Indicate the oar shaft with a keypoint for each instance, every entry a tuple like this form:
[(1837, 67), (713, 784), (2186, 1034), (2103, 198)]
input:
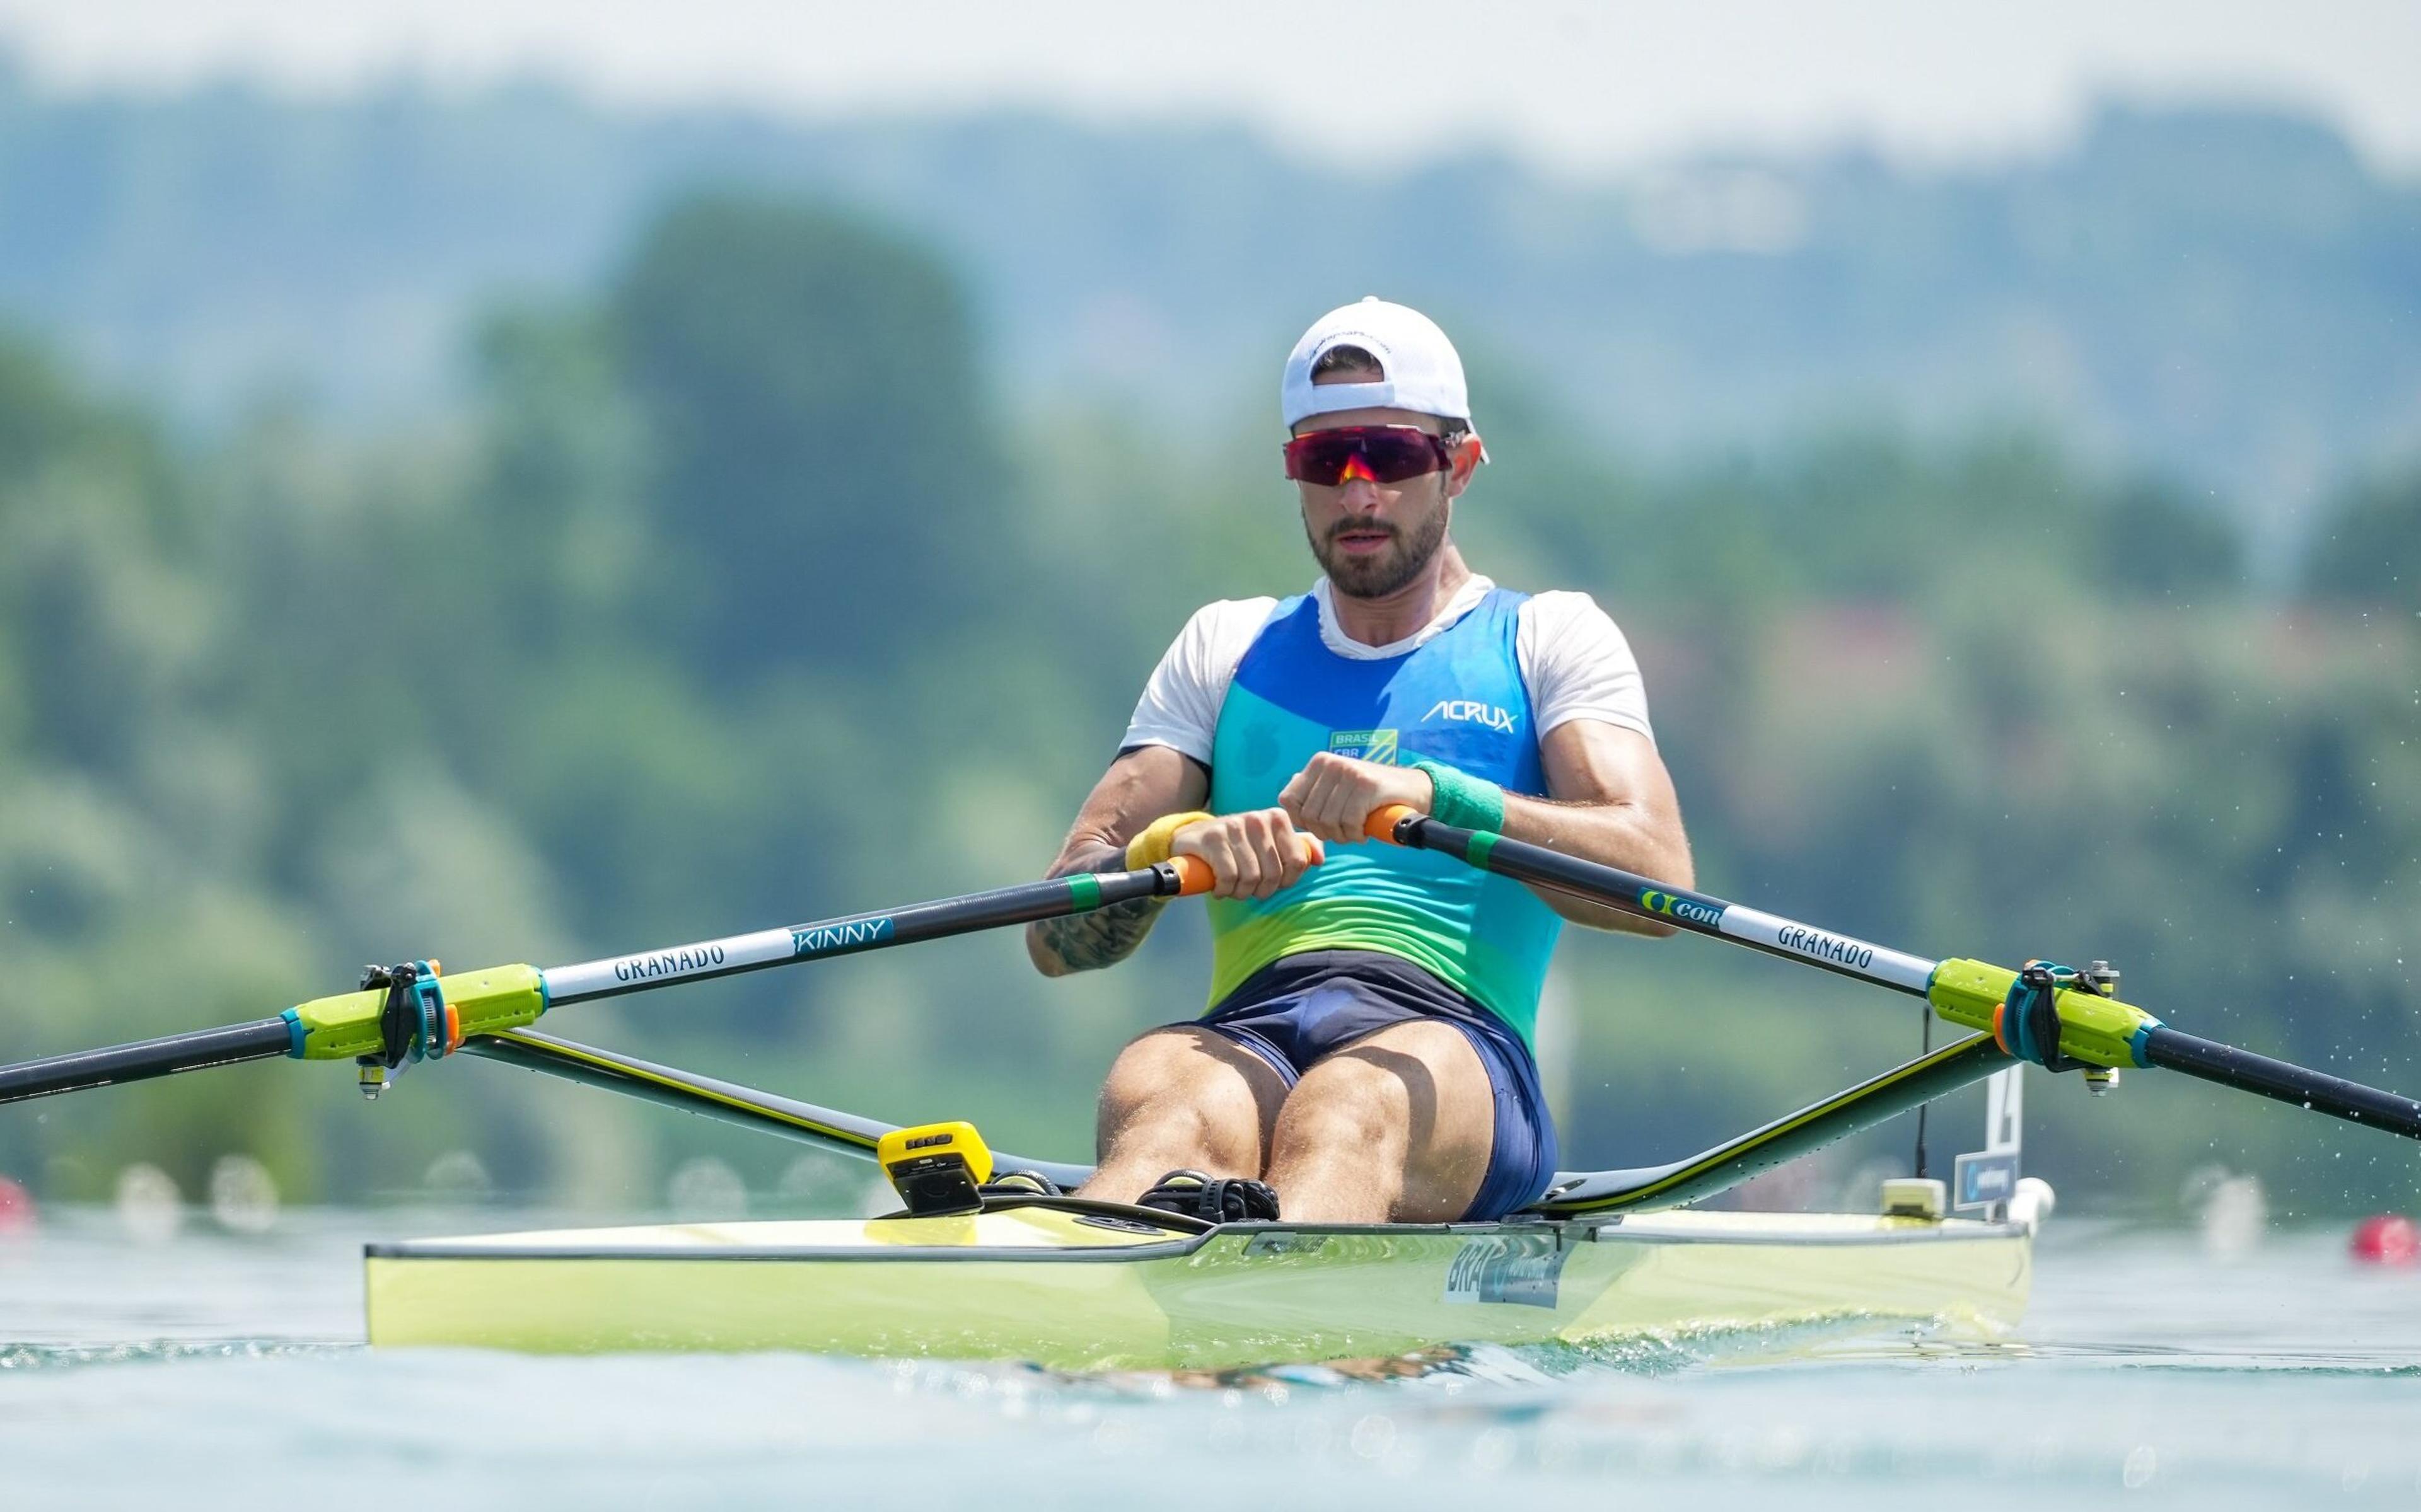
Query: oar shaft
[(2086, 1019), (496, 999), (858, 933), (1661, 902), (257, 1040), (2317, 1090)]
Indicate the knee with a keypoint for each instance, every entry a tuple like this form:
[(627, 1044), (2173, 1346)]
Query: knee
[(1153, 1054), (1338, 1115), (1153, 1068), (1167, 1099)]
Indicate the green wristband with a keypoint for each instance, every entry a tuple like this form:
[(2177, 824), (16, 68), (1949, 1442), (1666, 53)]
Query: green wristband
[(1461, 799)]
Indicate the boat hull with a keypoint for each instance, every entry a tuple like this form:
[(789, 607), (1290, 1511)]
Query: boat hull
[(1089, 1292)]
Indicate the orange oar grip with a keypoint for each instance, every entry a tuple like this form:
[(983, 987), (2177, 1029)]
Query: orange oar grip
[(1382, 823), (1193, 875)]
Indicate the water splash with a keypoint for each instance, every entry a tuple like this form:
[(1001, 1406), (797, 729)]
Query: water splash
[(31, 1357)]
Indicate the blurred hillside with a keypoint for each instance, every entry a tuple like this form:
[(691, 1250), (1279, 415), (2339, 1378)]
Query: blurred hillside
[(2226, 296), (751, 577)]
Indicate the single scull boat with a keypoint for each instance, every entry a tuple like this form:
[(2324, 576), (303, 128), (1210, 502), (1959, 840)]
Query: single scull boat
[(1014, 1270), (1080, 1286)]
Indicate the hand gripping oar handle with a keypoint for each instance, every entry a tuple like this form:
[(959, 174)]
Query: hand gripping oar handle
[(2093, 1030), (500, 998)]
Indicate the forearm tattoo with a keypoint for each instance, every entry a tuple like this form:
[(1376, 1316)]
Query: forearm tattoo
[(1106, 936)]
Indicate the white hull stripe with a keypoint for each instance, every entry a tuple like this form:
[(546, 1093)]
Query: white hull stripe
[(1878, 963)]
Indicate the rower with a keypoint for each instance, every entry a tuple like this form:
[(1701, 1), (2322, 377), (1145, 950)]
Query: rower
[(1369, 1048)]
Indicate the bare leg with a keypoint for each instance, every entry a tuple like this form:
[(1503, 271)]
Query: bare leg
[(1183, 1098), (1397, 1128)]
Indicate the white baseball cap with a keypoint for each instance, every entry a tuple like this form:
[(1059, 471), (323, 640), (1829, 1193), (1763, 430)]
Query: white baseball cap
[(1422, 373)]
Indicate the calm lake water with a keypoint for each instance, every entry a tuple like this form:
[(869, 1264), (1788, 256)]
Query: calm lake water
[(215, 1371)]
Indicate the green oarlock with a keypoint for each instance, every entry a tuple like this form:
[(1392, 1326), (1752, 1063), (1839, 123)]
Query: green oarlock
[(2098, 1031), (495, 998), (484, 1002), (1968, 993)]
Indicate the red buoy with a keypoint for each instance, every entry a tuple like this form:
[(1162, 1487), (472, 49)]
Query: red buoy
[(2386, 1239), (16, 1209)]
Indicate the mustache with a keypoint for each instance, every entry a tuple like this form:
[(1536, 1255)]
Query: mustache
[(1363, 527)]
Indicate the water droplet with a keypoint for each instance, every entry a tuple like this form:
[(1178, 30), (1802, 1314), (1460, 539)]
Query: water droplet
[(150, 1207), (244, 1195)]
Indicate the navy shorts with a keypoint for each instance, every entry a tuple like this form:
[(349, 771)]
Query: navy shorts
[(1301, 1009)]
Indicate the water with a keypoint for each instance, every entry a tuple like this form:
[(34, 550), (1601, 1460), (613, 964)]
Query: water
[(213, 1370)]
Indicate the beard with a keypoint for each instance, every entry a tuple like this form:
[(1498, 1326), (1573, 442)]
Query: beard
[(1385, 571)]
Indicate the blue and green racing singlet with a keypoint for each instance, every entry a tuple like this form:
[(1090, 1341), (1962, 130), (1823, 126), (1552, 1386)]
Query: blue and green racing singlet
[(1457, 698)]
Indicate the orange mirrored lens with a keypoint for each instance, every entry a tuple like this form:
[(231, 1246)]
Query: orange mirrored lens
[(1382, 453)]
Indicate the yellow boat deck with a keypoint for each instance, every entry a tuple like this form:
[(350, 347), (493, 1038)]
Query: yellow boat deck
[(1090, 1290)]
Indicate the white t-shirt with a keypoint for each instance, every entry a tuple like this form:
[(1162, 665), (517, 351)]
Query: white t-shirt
[(1573, 660)]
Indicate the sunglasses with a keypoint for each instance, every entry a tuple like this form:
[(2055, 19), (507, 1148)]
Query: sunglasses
[(1384, 454)]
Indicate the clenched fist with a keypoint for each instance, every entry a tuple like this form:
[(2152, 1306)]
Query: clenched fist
[(1250, 854), (1333, 796)]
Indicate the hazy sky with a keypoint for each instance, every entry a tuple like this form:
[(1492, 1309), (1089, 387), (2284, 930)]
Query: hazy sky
[(1580, 86)]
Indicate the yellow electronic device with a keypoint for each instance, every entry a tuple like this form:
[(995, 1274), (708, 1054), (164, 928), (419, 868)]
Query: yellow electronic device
[(936, 1167)]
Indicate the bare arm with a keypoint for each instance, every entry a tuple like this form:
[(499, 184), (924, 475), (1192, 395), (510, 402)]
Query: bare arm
[(1610, 801), (1140, 787)]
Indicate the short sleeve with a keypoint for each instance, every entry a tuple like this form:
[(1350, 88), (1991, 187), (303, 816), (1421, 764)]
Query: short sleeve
[(1578, 666), (1180, 707)]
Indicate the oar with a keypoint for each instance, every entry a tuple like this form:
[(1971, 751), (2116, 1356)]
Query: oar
[(2092, 1029), (418, 1014)]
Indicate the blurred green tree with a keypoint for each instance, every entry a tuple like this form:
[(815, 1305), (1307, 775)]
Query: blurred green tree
[(2371, 550), (828, 485), (2154, 540)]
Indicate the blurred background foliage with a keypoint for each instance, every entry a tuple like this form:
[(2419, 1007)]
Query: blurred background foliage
[(746, 581)]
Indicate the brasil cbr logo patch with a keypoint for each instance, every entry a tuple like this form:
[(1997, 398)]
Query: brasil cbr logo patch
[(1369, 745)]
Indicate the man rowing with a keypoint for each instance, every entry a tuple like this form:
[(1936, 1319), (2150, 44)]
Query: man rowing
[(1368, 1054)]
